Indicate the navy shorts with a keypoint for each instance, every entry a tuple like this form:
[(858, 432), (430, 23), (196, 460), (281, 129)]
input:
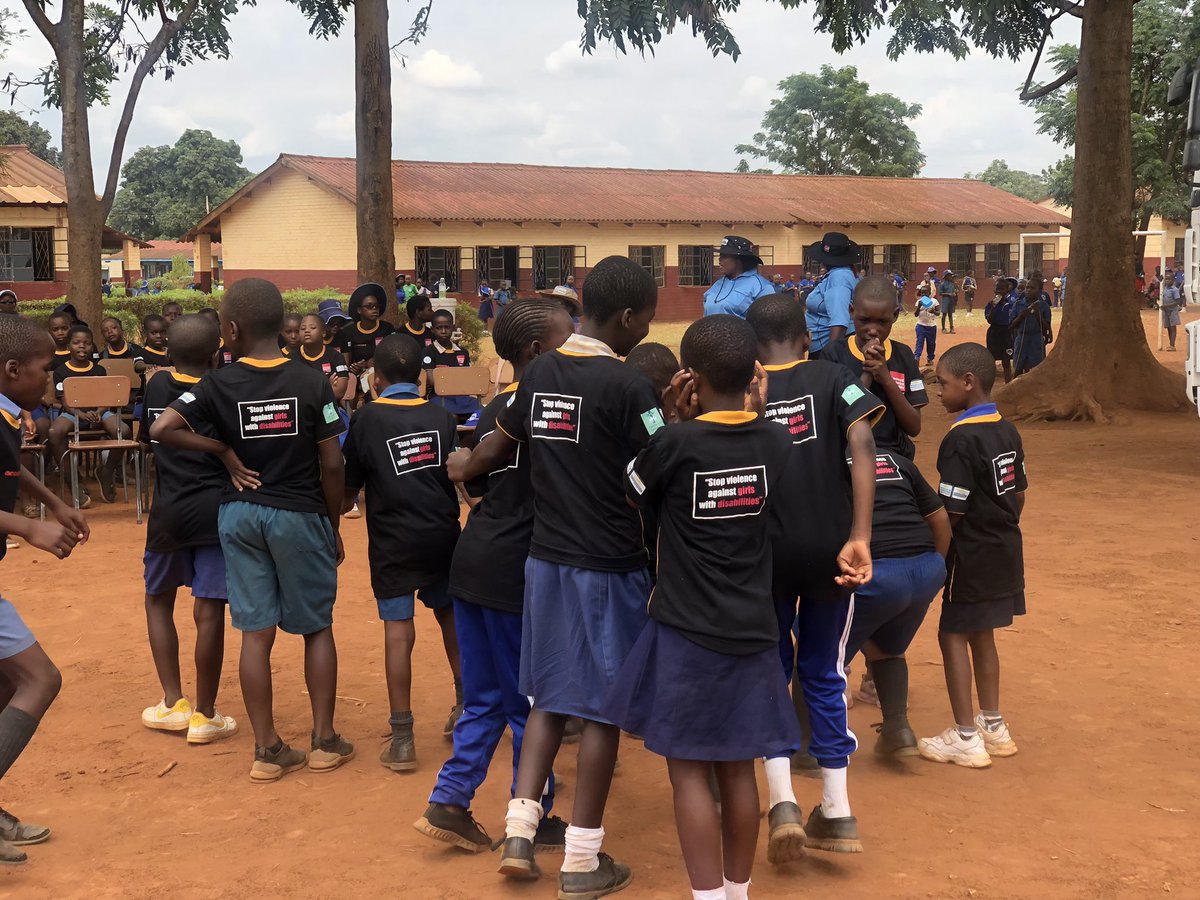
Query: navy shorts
[(200, 568), (281, 567), (70, 417), (400, 609), (40, 412), (890, 608), (15, 636)]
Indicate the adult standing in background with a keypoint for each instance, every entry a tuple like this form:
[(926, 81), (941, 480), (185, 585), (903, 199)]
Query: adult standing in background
[(828, 306), (948, 292), (739, 284)]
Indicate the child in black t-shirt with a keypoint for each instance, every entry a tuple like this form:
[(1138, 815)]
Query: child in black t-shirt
[(154, 343), (982, 468), (276, 427), (359, 338), (224, 355), (316, 354), (30, 679), (487, 581), (821, 527), (581, 414), (420, 314), (184, 550), (59, 325), (289, 334), (115, 344), (702, 684), (885, 367), (397, 449), (447, 354)]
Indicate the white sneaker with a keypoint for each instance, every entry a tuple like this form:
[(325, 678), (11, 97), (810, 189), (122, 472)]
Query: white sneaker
[(164, 718), (866, 692), (355, 512), (952, 747), (203, 730), (998, 742)]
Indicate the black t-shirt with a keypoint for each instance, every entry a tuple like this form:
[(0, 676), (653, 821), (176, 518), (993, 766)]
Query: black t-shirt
[(328, 362), (70, 370), (273, 413), (817, 401), (489, 561), (397, 449), (584, 416), (710, 480), (188, 485), (903, 502), (10, 459), (225, 355), (154, 357), (905, 373), (131, 351), (425, 338), (982, 468), (455, 357), (360, 343)]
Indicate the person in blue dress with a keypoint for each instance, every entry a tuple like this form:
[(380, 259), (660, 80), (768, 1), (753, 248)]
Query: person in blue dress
[(739, 284), (828, 306)]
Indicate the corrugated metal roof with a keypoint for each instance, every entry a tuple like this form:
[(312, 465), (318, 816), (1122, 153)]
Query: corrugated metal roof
[(26, 179)]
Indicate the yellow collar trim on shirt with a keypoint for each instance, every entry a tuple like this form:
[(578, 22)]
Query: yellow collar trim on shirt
[(185, 379), (976, 420), (220, 343), (857, 351), (411, 330), (406, 401), (65, 352), (508, 390), (10, 418), (88, 368), (783, 367), (124, 349), (582, 345), (327, 341), (453, 348), (264, 363), (311, 358), (155, 352), (362, 330), (728, 417)]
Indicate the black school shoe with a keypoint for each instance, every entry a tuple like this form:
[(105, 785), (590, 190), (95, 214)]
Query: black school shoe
[(551, 836), (786, 836), (838, 835), (516, 859), (607, 878), (896, 739), (453, 825)]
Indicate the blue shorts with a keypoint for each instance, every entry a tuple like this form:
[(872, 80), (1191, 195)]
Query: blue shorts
[(200, 568), (890, 608), (15, 636), (40, 412), (400, 609), (280, 565), (70, 417)]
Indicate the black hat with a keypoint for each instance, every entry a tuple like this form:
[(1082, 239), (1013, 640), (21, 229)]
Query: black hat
[(362, 292), (834, 250), (732, 245)]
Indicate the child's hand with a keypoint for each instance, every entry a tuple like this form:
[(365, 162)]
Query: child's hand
[(456, 464), (72, 519), (874, 362), (243, 479), (854, 560), (756, 394), (687, 404), (30, 428), (341, 548), (56, 540)]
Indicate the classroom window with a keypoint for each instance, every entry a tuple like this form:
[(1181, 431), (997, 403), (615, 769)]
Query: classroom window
[(996, 258), (866, 258), (438, 262), (43, 253), (899, 258), (962, 258), (1178, 251), (651, 259), (695, 266), (16, 254), (1034, 257), (497, 264), (551, 266)]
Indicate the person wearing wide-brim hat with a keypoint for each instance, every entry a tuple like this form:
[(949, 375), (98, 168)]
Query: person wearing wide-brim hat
[(366, 328), (333, 316), (739, 284), (828, 306), (568, 297)]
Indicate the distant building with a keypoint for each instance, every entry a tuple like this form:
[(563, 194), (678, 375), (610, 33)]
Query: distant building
[(535, 225), (1169, 244), (157, 257)]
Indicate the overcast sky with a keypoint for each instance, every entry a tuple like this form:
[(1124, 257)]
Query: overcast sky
[(505, 82)]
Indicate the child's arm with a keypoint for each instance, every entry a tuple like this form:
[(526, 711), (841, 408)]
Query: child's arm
[(57, 540), (1020, 504), (854, 559), (172, 429), (908, 417), (67, 515), (939, 524), (333, 475), (465, 465)]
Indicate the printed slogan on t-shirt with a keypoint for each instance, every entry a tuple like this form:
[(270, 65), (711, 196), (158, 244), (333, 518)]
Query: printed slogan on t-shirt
[(795, 415), (1005, 469), (269, 418), (411, 452), (886, 468), (555, 417), (729, 493)]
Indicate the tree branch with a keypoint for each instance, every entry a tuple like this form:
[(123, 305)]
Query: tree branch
[(45, 26), (149, 60), (1070, 8), (1050, 88)]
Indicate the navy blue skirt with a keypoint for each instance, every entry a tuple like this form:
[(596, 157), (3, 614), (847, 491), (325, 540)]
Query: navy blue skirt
[(688, 702)]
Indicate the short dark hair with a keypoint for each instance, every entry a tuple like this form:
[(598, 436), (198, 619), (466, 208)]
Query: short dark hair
[(20, 339), (971, 357), (876, 289), (172, 303), (523, 322), (415, 303), (256, 305), (111, 319), (443, 314), (291, 317), (194, 339), (153, 319), (398, 359), (615, 284), (210, 313), (723, 349), (59, 315), (776, 317), (80, 329), (656, 362)]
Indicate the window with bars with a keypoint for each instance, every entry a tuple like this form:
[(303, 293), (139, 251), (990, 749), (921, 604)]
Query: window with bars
[(866, 258), (695, 265), (18, 261), (497, 264), (996, 258), (1036, 256), (438, 262), (899, 258), (1179, 251), (651, 259), (962, 258), (551, 266)]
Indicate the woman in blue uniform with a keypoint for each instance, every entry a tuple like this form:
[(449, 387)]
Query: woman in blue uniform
[(739, 284), (828, 306)]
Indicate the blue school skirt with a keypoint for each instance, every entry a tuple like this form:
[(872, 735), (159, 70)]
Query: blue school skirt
[(689, 702)]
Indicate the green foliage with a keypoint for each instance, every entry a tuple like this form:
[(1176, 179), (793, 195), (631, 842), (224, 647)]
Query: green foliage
[(466, 322), (642, 24), (1023, 184), (167, 190), (831, 124), (15, 130), (1060, 180)]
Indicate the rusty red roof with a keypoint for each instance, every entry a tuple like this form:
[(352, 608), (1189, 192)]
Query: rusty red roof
[(447, 191), (28, 179)]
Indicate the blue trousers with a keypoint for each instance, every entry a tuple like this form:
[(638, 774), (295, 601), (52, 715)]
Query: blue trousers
[(927, 338), (489, 645), (822, 628)]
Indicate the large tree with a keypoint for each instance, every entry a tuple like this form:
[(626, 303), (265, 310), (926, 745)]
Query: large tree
[(1023, 184), (1101, 361), (16, 130), (166, 190), (831, 124)]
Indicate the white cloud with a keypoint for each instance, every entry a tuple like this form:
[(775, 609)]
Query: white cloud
[(437, 70)]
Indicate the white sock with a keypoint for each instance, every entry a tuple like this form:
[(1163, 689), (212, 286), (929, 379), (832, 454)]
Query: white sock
[(835, 801), (583, 849), (522, 818), (779, 780), (735, 891), (714, 894)]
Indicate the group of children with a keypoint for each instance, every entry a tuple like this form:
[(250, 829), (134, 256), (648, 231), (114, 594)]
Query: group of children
[(654, 546)]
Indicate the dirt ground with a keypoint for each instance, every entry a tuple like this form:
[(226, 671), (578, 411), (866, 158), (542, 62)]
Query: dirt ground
[(1102, 801)]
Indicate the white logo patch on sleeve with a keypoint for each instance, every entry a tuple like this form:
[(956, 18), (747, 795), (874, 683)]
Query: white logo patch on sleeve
[(187, 397), (915, 385), (636, 482)]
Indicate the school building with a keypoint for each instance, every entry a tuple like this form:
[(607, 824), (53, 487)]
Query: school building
[(1168, 245), (535, 225), (156, 259), (34, 222)]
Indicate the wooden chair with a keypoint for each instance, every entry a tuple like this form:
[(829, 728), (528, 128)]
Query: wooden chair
[(466, 381), (123, 367), (348, 394), (502, 377), (101, 392)]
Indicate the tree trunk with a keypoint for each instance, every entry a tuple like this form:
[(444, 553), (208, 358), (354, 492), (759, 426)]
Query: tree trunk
[(373, 134), (1101, 361), (85, 217)]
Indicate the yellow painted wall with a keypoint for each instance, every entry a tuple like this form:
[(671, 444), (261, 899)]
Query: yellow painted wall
[(37, 217), (1154, 243)]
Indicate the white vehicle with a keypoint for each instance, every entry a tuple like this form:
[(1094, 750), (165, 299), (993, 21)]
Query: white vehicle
[(1185, 87)]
